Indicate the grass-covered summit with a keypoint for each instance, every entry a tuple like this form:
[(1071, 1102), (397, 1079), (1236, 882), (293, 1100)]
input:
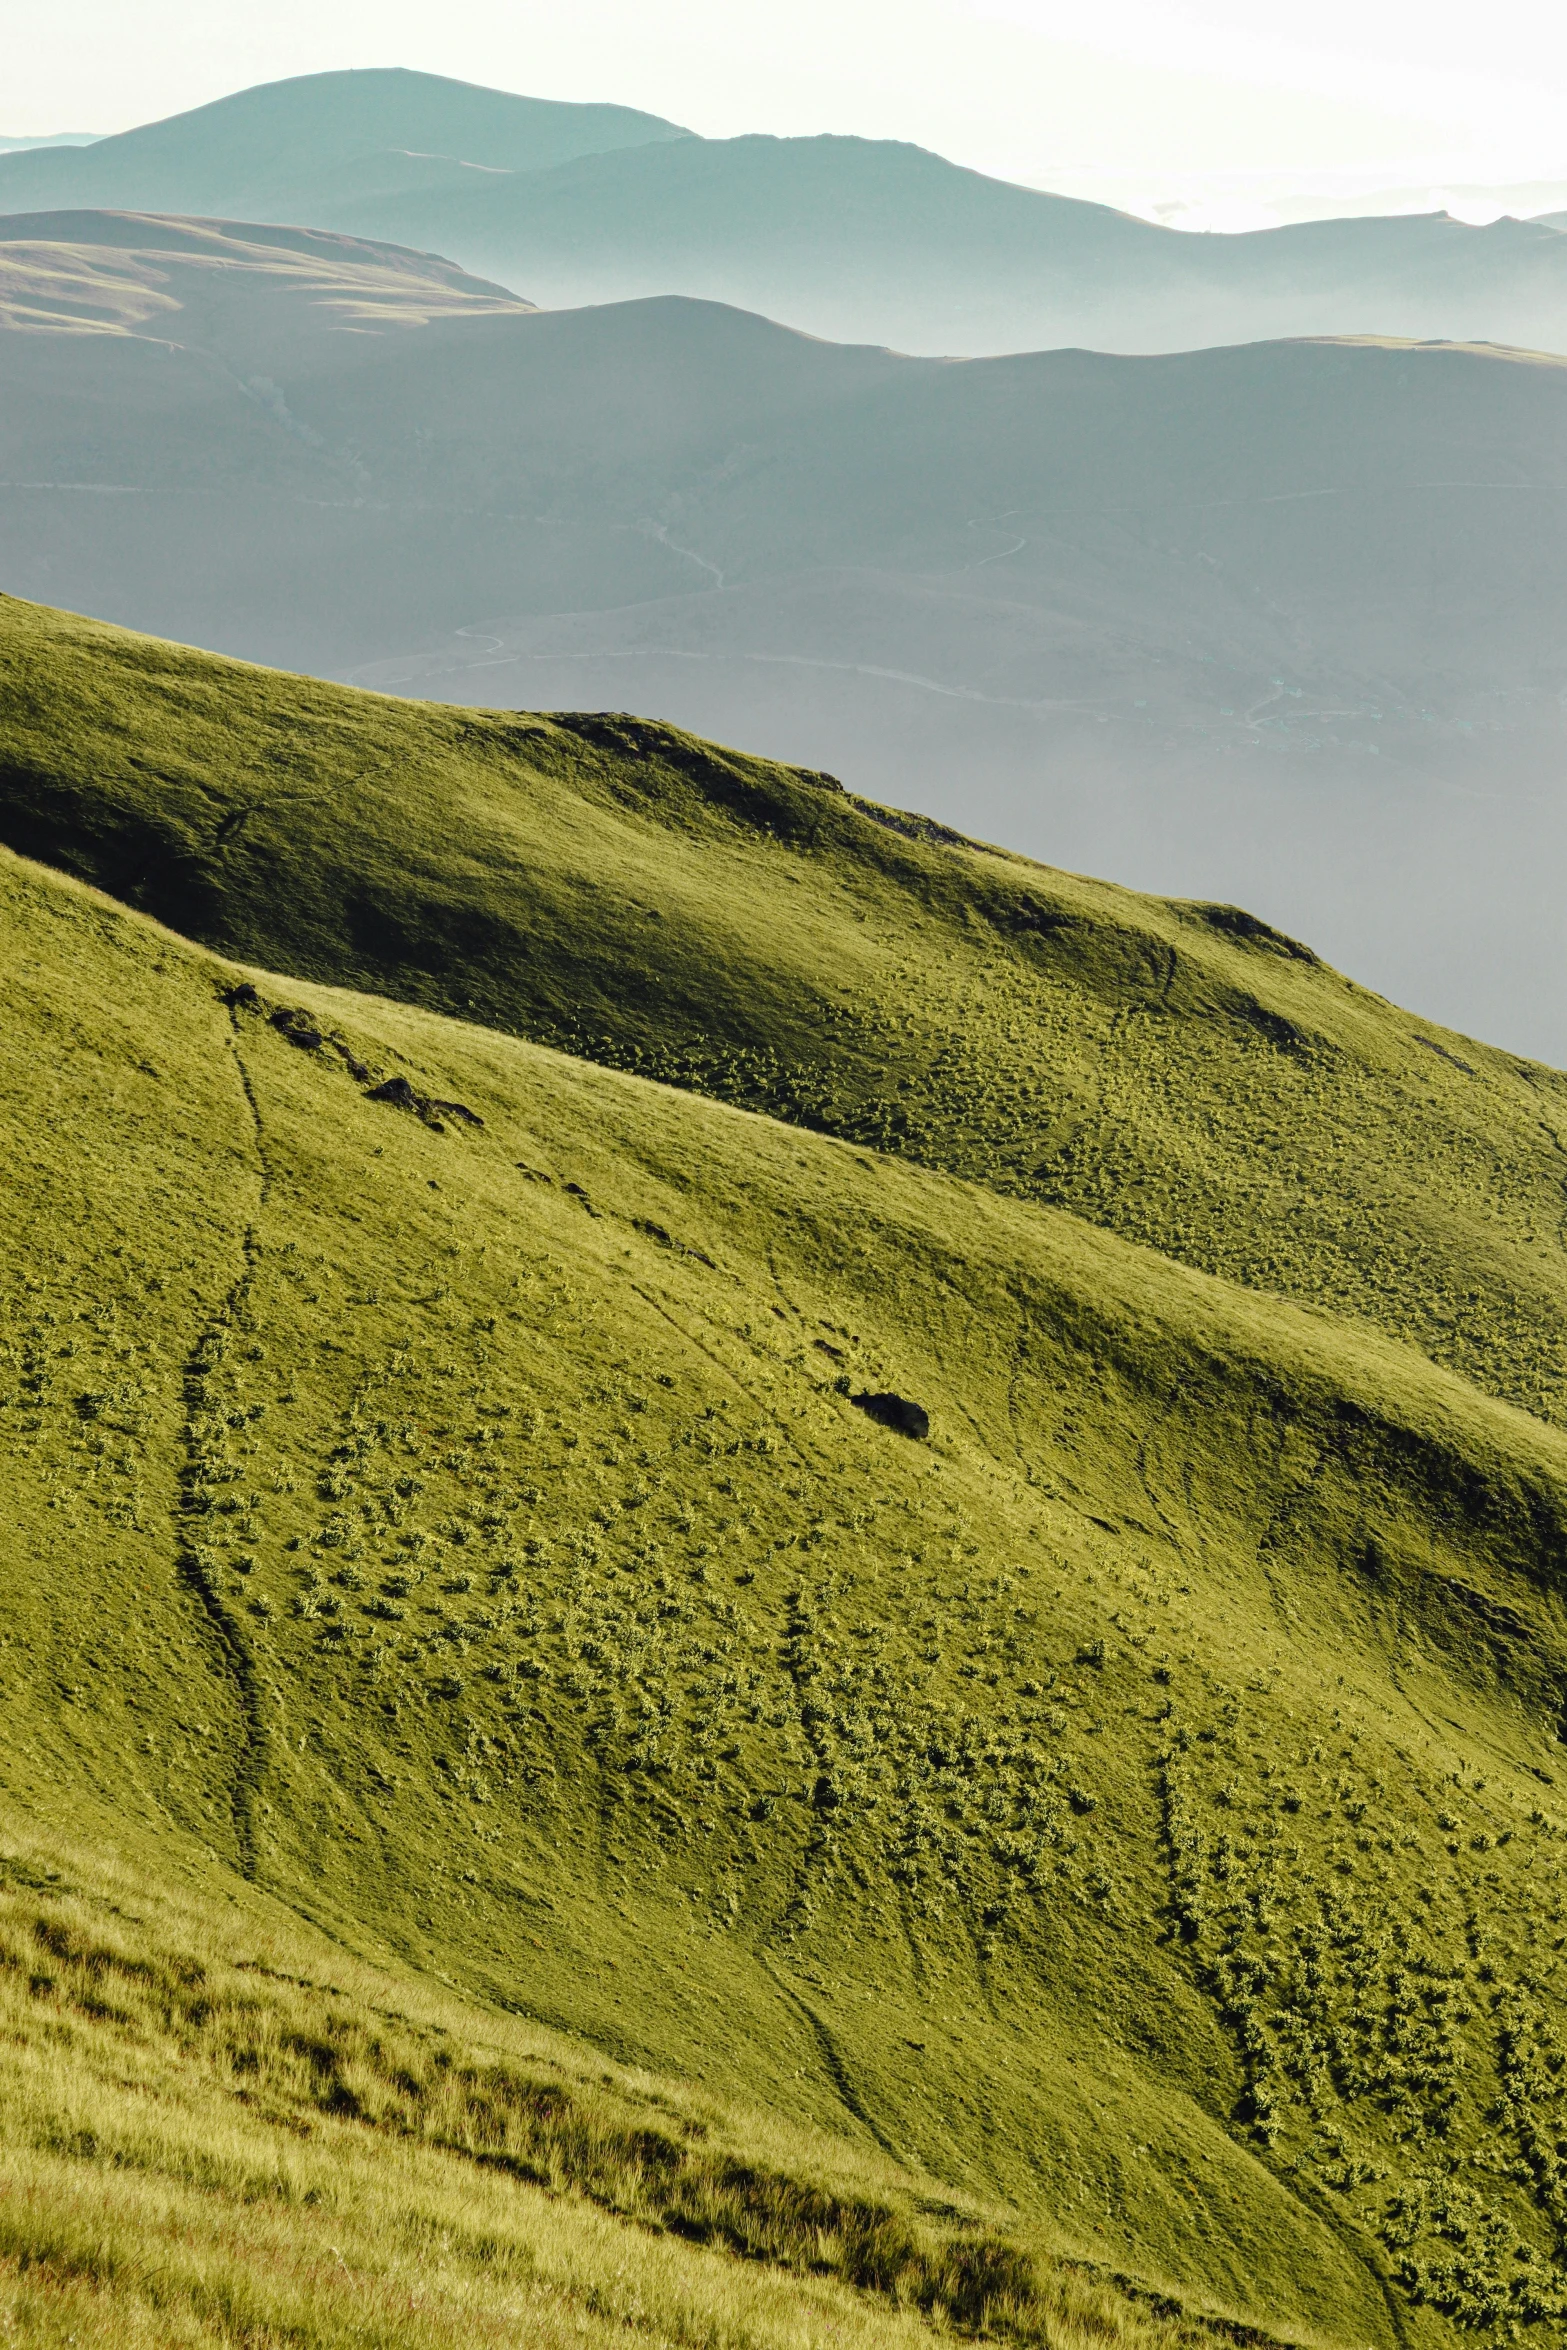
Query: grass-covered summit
[(452, 1493)]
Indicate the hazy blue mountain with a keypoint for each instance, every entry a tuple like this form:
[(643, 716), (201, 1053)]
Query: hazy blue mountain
[(282, 148), (870, 240), (859, 240), (1283, 623), (58, 139)]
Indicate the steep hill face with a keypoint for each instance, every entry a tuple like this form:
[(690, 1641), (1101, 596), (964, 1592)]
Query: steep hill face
[(320, 136), (1176, 1072), (1282, 624), (787, 1615)]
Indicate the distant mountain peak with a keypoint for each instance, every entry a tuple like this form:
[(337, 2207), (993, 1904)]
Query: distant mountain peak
[(294, 149)]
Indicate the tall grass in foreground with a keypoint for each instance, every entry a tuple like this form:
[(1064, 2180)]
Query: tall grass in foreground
[(197, 2149)]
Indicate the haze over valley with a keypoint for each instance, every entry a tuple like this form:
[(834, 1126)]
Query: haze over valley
[(1282, 623)]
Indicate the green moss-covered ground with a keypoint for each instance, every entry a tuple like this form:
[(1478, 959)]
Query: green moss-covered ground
[(1134, 1804)]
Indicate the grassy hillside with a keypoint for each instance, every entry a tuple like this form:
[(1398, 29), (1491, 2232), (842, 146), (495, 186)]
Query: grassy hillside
[(456, 1550), (219, 2128), (452, 1493), (471, 1540), (1175, 1073)]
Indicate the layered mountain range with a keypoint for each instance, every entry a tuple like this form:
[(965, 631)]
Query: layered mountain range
[(1282, 622), (859, 240)]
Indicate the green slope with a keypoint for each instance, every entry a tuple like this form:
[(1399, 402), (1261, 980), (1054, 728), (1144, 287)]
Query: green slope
[(441, 1500), (398, 2167), (1177, 1073)]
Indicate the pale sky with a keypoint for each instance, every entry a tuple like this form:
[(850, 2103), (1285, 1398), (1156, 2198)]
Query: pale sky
[(1129, 94)]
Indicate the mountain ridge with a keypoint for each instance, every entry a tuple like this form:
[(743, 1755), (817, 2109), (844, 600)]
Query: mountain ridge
[(574, 878), (856, 240), (763, 222), (256, 140)]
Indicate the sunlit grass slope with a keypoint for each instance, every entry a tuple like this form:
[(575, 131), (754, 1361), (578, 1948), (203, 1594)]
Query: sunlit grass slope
[(455, 1513), (191, 1678), (218, 2129), (1175, 1073)]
